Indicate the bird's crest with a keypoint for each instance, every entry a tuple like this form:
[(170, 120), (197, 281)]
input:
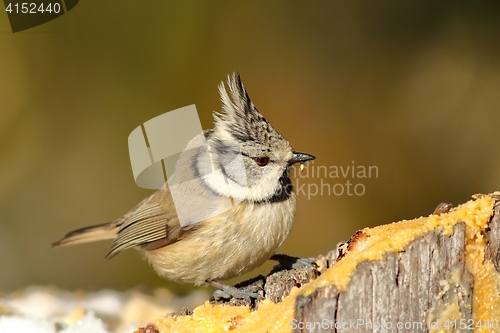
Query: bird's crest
[(241, 119)]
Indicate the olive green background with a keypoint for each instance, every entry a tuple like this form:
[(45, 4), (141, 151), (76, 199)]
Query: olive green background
[(411, 87)]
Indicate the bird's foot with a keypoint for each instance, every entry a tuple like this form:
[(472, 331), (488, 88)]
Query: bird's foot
[(227, 292)]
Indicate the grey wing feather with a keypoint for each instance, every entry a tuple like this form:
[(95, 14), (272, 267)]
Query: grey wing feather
[(148, 224)]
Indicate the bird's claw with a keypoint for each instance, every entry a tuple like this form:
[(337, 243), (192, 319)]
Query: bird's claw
[(228, 292)]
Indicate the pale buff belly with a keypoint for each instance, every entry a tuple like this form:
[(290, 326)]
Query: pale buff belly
[(226, 247)]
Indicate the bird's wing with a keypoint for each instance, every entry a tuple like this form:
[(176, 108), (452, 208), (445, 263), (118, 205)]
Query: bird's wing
[(149, 223), (154, 223)]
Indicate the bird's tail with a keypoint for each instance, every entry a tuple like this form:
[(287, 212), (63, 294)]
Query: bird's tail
[(89, 234)]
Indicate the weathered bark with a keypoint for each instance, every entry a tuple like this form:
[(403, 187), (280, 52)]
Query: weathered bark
[(402, 277), (402, 288), (410, 288)]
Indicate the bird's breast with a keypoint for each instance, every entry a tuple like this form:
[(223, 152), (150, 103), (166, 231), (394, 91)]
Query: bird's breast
[(227, 245)]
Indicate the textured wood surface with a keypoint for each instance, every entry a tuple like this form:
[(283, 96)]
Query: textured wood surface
[(407, 288), (493, 237), (413, 286)]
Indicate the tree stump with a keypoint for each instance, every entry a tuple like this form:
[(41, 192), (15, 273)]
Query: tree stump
[(432, 274), (438, 282)]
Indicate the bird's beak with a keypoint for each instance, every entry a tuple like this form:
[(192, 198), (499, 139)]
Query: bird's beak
[(301, 158)]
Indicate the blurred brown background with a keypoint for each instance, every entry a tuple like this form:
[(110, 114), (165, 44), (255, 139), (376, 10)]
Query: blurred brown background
[(410, 87)]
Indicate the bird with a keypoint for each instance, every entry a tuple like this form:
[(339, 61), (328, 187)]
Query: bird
[(234, 219)]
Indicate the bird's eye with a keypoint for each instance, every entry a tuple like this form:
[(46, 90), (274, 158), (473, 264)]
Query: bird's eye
[(262, 161)]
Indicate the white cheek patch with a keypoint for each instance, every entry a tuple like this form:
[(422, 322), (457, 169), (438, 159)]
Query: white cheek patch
[(267, 185), (219, 182), (207, 183), (228, 174)]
